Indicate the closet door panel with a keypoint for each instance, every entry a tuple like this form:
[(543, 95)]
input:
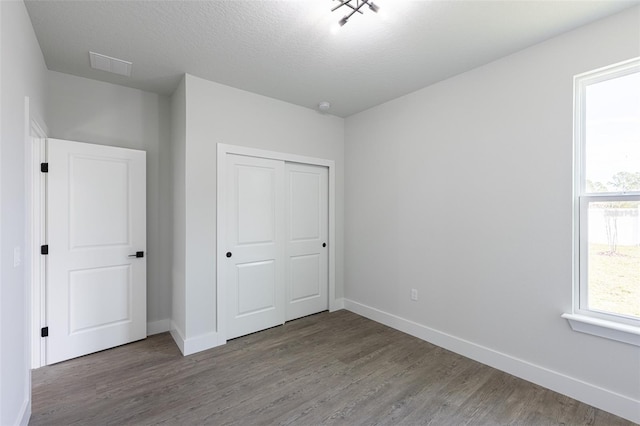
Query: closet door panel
[(254, 258), (306, 239)]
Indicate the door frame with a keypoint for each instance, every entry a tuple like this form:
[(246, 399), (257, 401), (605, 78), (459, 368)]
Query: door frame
[(221, 196), (35, 185)]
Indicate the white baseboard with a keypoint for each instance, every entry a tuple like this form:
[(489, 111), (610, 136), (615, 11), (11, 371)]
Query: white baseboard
[(159, 326), (603, 399), (178, 336), (25, 413), (201, 343), (194, 344)]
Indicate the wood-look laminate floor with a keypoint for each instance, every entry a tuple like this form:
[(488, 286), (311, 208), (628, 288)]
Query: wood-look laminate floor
[(329, 368)]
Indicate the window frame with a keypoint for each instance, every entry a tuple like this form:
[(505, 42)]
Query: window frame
[(604, 324)]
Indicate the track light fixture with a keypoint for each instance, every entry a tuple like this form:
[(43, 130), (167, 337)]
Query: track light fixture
[(358, 4)]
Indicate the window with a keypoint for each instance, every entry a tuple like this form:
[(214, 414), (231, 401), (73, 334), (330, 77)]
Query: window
[(607, 202)]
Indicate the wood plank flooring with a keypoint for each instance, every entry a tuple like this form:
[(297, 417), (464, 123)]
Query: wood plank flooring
[(330, 368)]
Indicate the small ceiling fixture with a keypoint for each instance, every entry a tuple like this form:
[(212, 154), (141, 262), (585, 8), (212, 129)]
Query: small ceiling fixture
[(355, 6), (324, 106)]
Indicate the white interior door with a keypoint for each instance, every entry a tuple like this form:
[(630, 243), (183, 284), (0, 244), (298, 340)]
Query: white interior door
[(253, 245), (96, 286), (307, 267)]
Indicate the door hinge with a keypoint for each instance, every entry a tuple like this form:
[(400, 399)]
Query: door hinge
[(44, 331), (44, 167), (44, 249)]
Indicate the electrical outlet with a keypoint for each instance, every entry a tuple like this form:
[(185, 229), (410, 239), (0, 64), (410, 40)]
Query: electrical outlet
[(17, 257), (414, 294)]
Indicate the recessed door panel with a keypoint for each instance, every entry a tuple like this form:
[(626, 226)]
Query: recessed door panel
[(99, 297), (256, 287), (110, 203), (305, 205), (305, 273), (256, 208)]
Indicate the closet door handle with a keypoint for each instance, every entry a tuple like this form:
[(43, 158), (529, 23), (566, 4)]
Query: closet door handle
[(229, 254), (324, 244)]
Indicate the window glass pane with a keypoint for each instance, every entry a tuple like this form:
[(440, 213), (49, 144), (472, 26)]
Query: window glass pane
[(612, 132), (614, 257)]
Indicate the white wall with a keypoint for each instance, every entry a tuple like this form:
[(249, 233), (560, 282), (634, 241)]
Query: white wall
[(496, 141), (84, 110), (220, 114), (22, 73)]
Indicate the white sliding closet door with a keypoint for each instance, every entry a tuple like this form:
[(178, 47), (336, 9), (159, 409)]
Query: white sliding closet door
[(254, 244), (274, 242), (306, 248)]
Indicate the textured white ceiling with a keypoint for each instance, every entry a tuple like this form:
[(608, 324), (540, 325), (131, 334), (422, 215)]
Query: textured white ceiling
[(286, 49)]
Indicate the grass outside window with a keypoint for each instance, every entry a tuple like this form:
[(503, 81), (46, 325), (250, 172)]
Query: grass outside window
[(614, 279)]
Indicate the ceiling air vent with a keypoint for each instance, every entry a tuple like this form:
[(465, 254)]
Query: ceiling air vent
[(109, 64)]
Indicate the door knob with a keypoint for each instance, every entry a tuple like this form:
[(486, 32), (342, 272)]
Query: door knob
[(228, 254), (324, 244), (138, 254)]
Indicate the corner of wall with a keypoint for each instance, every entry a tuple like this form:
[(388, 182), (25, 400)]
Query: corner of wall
[(178, 149), (159, 326), (178, 336), (189, 346)]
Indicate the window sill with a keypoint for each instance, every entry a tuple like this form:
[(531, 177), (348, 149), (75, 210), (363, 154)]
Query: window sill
[(603, 328)]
